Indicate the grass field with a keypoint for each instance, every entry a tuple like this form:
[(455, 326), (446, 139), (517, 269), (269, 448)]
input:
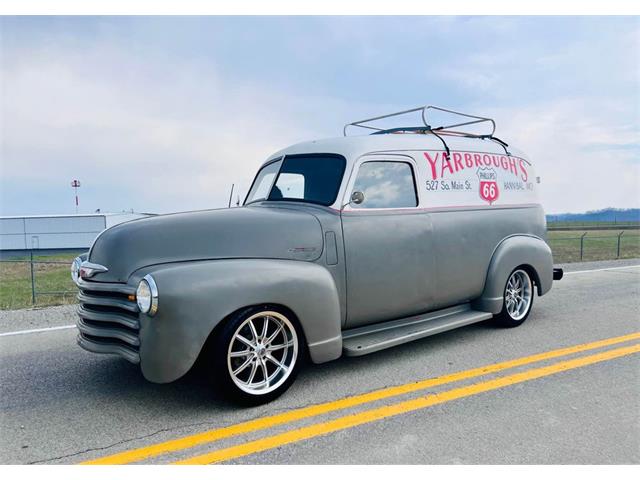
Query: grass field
[(597, 245), (15, 282), (15, 278)]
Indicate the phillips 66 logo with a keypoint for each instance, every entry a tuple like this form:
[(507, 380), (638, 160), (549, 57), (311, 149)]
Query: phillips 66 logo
[(488, 184)]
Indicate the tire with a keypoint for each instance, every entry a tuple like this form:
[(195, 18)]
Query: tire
[(517, 299), (243, 351)]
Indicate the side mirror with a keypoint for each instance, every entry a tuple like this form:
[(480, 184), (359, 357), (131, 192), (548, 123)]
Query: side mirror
[(357, 197)]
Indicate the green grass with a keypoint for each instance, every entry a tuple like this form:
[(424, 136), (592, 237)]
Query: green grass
[(15, 282), (597, 245), (15, 278)]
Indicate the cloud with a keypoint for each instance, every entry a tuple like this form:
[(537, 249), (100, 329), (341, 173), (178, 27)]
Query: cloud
[(139, 136), (164, 114), (577, 153)]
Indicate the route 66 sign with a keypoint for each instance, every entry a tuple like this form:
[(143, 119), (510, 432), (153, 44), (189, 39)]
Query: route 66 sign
[(488, 188)]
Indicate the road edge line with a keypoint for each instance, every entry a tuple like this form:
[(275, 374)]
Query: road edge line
[(37, 330), (601, 269)]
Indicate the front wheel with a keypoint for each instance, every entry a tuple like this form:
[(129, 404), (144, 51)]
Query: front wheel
[(256, 355), (518, 299)]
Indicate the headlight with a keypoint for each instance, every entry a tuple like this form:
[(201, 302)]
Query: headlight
[(147, 295), (75, 269)]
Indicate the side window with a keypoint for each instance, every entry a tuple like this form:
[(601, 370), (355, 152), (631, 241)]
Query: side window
[(386, 185)]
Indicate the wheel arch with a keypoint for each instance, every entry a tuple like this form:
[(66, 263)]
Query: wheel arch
[(531, 271), (528, 252)]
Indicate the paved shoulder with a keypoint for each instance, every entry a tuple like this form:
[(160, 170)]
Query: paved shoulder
[(36, 318)]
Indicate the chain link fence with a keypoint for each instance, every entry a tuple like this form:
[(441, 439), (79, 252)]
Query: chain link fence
[(580, 246), (36, 280)]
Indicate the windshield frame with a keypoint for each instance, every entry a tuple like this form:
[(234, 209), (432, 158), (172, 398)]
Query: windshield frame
[(253, 182), (282, 159)]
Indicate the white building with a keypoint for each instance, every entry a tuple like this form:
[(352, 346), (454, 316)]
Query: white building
[(56, 232)]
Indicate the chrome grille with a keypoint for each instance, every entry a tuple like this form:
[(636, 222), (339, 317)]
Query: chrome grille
[(108, 319)]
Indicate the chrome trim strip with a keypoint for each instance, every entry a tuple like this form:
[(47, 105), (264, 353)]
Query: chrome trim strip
[(154, 295), (90, 269), (107, 287), (95, 266)]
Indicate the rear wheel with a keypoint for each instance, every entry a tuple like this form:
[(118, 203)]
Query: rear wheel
[(256, 355), (518, 299)]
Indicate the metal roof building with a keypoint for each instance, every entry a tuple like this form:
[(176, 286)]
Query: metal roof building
[(56, 232)]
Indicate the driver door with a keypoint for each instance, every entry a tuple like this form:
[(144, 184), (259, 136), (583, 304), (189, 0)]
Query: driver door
[(387, 240)]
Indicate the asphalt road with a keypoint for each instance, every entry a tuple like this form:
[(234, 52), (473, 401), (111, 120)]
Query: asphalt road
[(60, 404)]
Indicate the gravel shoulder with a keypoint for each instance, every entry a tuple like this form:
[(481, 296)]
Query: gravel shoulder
[(31, 318)]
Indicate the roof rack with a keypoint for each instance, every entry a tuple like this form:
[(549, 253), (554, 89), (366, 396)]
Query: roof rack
[(426, 127)]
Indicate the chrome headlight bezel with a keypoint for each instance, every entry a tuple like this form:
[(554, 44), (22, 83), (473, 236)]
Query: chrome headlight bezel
[(75, 270), (147, 295)]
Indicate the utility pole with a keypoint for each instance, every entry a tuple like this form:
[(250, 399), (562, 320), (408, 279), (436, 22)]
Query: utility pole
[(76, 184)]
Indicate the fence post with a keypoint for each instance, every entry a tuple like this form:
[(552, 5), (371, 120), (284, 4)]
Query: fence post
[(582, 244), (619, 236), (33, 281)]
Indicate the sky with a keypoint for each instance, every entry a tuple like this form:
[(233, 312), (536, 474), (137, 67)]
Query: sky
[(163, 114)]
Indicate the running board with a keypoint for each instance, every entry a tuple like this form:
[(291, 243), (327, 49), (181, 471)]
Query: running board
[(372, 338)]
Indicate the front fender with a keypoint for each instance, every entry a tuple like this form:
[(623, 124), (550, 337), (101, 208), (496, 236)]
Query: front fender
[(194, 297), (511, 253)]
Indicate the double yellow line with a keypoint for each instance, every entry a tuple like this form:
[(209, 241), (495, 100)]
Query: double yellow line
[(373, 414)]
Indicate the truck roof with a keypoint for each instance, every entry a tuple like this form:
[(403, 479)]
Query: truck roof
[(354, 147), (449, 136)]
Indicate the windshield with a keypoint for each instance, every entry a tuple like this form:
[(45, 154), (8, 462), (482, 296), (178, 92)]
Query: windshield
[(313, 178)]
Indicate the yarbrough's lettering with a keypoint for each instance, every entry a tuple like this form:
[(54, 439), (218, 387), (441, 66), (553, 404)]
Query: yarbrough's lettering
[(441, 163)]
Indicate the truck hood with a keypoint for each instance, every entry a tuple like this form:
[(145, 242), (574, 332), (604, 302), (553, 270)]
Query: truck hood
[(247, 232)]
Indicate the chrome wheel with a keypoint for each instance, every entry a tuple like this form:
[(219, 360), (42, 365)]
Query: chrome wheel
[(262, 352), (518, 295)]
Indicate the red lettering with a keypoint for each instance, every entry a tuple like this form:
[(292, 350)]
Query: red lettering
[(512, 166), (432, 163), (496, 161), (478, 158), (524, 175), (445, 165), (504, 163), (487, 160), (457, 161), (468, 161)]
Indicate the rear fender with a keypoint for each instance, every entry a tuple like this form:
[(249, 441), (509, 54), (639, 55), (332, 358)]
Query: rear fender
[(520, 250)]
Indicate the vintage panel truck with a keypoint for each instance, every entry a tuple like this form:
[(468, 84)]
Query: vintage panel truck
[(343, 247)]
